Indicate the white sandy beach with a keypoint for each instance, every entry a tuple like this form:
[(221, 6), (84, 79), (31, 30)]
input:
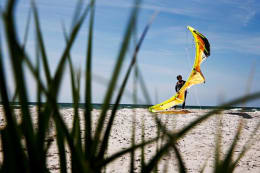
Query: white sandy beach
[(197, 147)]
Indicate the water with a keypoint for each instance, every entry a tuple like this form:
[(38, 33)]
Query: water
[(131, 106)]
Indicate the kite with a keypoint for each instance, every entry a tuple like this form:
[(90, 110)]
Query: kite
[(196, 77)]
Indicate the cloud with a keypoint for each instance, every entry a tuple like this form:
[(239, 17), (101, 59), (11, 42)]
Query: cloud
[(245, 9), (238, 42), (248, 17), (181, 9)]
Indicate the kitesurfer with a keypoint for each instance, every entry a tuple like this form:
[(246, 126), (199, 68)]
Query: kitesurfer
[(178, 86)]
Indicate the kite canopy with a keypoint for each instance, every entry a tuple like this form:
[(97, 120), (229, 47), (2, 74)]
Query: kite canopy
[(196, 77)]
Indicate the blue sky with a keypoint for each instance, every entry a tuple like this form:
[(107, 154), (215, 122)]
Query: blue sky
[(231, 26)]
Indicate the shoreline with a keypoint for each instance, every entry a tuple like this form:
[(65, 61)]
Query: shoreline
[(134, 106)]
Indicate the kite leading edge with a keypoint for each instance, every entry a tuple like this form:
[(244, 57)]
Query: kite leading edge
[(196, 77)]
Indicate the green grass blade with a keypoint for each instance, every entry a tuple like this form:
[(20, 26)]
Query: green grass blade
[(143, 87), (16, 64), (41, 43), (28, 62), (61, 66), (165, 167), (132, 154), (204, 166), (228, 159), (158, 133), (10, 7), (76, 121), (34, 73), (152, 164), (104, 82), (132, 164), (43, 110), (11, 129), (12, 155), (134, 58), (51, 96), (250, 81), (88, 82), (142, 148), (39, 90), (76, 13), (182, 168), (16, 53), (77, 93), (246, 147), (217, 160), (113, 81), (75, 90), (40, 87), (23, 47), (61, 149), (8, 155), (118, 154), (76, 155), (163, 149), (121, 91), (155, 159), (183, 131), (40, 136), (15, 96), (25, 38), (249, 97), (47, 110), (75, 86)]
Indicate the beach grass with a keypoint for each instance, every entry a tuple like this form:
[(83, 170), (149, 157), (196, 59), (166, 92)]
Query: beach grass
[(26, 146)]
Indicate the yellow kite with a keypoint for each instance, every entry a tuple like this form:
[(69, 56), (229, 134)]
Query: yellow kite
[(196, 77)]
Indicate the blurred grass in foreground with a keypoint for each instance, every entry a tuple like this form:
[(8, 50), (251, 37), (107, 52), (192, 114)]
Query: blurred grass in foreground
[(24, 146)]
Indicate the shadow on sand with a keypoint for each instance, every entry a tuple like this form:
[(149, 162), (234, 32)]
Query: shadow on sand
[(242, 114)]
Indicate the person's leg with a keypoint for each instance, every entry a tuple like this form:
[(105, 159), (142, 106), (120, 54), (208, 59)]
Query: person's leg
[(183, 105)]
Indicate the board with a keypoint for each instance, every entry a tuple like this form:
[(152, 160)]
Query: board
[(183, 111)]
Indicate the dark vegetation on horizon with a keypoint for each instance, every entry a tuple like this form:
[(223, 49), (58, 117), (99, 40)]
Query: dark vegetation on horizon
[(24, 146)]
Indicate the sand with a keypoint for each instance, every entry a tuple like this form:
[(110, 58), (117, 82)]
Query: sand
[(196, 147)]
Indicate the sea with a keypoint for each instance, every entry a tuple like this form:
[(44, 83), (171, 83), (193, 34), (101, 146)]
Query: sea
[(133, 106)]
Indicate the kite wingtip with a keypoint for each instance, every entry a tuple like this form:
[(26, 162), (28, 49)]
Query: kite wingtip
[(190, 28), (151, 109)]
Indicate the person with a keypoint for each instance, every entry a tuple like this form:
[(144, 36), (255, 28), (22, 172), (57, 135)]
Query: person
[(178, 86)]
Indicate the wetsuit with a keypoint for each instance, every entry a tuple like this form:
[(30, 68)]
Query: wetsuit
[(178, 86)]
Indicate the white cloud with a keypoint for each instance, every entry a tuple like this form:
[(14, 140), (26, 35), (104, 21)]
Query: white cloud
[(246, 9), (153, 6), (238, 42)]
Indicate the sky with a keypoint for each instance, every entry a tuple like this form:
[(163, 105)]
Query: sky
[(231, 26)]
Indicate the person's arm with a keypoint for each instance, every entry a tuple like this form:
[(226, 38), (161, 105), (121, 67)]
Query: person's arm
[(176, 87)]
